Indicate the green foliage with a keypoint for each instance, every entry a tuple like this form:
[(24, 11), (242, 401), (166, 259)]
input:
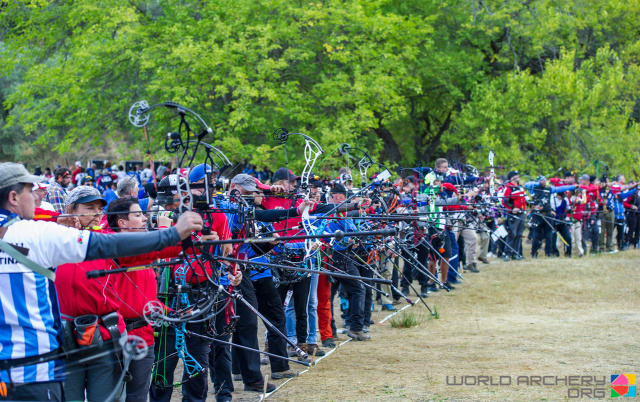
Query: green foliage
[(546, 84), (406, 319)]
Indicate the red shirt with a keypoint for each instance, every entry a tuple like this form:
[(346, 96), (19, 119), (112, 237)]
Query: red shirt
[(286, 203)]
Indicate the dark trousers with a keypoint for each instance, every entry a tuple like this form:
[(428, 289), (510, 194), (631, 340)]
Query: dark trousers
[(355, 290), (246, 333), (633, 235), (454, 261), (620, 232), (410, 271), (270, 306), (593, 230), (366, 271), (541, 232), (515, 225), (98, 377), (220, 360), (335, 285), (140, 370), (196, 388), (301, 291), (37, 391)]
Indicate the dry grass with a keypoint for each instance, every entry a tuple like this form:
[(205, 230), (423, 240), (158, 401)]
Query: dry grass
[(534, 317)]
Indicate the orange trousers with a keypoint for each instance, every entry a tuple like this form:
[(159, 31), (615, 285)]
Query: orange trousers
[(324, 307)]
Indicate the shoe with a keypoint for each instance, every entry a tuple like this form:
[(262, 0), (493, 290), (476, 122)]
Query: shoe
[(455, 281), (448, 285), (483, 260), (365, 329), (389, 307), (259, 386), (279, 375), (507, 258), (405, 290), (358, 336), (264, 360), (237, 377), (520, 258), (432, 287), (397, 302), (329, 343), (291, 352), (371, 322), (424, 289), (471, 268), (534, 255), (314, 346)]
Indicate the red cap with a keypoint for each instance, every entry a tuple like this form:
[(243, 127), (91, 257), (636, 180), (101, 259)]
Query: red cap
[(449, 187), (261, 186)]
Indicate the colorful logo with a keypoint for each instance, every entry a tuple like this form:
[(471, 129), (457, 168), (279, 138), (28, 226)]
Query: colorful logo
[(623, 385)]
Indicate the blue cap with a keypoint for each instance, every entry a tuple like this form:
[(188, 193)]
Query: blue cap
[(199, 172)]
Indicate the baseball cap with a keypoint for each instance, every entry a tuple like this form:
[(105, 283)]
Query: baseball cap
[(83, 195), (247, 182), (78, 163), (567, 174), (584, 177), (314, 181), (40, 186), (338, 189), (13, 173), (261, 186), (167, 187), (199, 172), (540, 178), (512, 174), (284, 174), (345, 177), (86, 179)]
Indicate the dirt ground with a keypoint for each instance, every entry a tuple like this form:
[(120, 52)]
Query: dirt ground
[(513, 322)]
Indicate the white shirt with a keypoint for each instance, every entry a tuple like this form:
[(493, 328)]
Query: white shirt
[(29, 312)]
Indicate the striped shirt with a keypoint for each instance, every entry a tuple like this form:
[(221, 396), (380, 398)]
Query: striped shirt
[(29, 313)]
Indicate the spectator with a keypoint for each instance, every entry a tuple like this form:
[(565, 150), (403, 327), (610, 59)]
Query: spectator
[(87, 181), (92, 170), (76, 171), (57, 193), (121, 173), (109, 193), (104, 181), (128, 187), (47, 173), (40, 191)]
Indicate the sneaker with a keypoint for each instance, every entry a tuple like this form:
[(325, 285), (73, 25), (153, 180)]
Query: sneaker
[(432, 287), (264, 360), (424, 290), (534, 255), (314, 346), (358, 336), (279, 375), (371, 322), (259, 386), (365, 329), (448, 285), (389, 307), (507, 258), (455, 281), (237, 377), (405, 290), (520, 258), (329, 343), (483, 260), (291, 352)]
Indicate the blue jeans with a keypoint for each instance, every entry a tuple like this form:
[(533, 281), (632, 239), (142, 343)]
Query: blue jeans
[(312, 316)]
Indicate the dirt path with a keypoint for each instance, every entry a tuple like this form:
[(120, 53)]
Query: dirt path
[(518, 320)]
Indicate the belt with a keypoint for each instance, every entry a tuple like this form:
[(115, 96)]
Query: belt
[(135, 323)]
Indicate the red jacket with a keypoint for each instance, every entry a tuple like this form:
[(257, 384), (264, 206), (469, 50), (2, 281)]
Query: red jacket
[(285, 203), (79, 296), (514, 197)]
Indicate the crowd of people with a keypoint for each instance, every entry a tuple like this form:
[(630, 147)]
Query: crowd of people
[(56, 227)]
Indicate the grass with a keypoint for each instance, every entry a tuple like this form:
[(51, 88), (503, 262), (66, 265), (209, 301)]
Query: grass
[(406, 319), (530, 318)]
